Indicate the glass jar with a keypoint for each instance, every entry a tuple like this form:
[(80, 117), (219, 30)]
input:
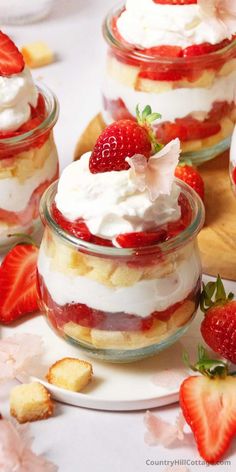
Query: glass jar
[(15, 12), (28, 165), (120, 305), (194, 95), (232, 162)]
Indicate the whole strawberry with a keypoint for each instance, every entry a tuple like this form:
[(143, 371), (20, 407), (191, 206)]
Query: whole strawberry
[(191, 176), (122, 139), (219, 325)]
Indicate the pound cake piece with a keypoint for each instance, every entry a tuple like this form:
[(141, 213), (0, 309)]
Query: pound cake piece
[(30, 402), (71, 374)]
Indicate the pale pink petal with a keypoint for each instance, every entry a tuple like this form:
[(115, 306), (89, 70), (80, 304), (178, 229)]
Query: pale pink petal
[(16, 354), (219, 15), (157, 174), (170, 378), (162, 432), (15, 453), (180, 424), (138, 165)]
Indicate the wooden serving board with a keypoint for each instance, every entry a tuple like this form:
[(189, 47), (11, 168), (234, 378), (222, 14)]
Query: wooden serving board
[(217, 239)]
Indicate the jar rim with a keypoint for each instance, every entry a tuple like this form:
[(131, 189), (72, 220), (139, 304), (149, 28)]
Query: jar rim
[(189, 233), (52, 108), (137, 53)]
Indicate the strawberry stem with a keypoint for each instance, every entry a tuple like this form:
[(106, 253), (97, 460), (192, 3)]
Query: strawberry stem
[(209, 367), (24, 239), (145, 118), (213, 294)]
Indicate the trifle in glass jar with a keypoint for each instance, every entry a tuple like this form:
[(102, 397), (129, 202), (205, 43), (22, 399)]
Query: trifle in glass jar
[(119, 271), (28, 155), (232, 162), (179, 56)]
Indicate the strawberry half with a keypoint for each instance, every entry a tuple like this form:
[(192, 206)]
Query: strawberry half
[(18, 287), (122, 139), (209, 407), (11, 59), (219, 325)]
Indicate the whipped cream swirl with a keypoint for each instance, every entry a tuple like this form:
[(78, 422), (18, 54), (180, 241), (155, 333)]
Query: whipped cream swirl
[(147, 24), (17, 93), (111, 203)]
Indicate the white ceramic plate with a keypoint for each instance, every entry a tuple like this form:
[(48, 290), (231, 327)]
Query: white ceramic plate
[(118, 387)]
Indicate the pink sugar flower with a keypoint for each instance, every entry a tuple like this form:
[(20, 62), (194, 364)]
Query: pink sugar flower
[(220, 15), (157, 173), (16, 354), (15, 451)]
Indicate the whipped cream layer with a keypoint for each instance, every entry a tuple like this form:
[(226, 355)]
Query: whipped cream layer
[(175, 103), (110, 203), (17, 93), (15, 195), (147, 24), (141, 299), (233, 148)]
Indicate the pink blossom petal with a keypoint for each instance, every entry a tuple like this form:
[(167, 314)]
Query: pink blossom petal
[(162, 432), (15, 453), (170, 379), (219, 15), (16, 354), (157, 174)]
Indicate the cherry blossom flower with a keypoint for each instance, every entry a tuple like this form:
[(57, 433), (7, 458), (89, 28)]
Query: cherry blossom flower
[(15, 451), (157, 173), (220, 15), (161, 432), (16, 354)]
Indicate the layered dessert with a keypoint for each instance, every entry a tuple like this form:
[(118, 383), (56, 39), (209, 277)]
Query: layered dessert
[(232, 162), (28, 156), (179, 56), (119, 270)]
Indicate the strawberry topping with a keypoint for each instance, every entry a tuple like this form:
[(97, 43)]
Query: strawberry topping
[(190, 175), (11, 59), (18, 289)]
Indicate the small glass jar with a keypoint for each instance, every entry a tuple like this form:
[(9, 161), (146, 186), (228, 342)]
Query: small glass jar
[(232, 162), (28, 165), (120, 305), (194, 95), (15, 12)]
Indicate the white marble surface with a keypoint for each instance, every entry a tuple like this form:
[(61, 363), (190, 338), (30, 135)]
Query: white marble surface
[(80, 440)]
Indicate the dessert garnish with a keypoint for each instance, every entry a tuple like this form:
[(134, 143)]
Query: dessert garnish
[(191, 176), (162, 432), (18, 286), (219, 325), (16, 354), (11, 60), (16, 453), (209, 407), (123, 139)]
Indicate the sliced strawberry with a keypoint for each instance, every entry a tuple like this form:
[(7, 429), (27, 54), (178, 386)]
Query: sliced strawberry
[(209, 408), (160, 73), (204, 48), (175, 2), (117, 109), (77, 228), (18, 286), (141, 239), (11, 59), (191, 176), (164, 51), (186, 129), (234, 175)]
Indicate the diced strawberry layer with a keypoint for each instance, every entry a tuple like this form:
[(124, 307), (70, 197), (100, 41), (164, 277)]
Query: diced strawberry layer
[(38, 115), (175, 2), (157, 235), (186, 129), (31, 212), (83, 315), (234, 175)]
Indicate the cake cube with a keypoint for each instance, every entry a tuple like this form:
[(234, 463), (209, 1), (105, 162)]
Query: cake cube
[(71, 374), (37, 54), (30, 402)]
